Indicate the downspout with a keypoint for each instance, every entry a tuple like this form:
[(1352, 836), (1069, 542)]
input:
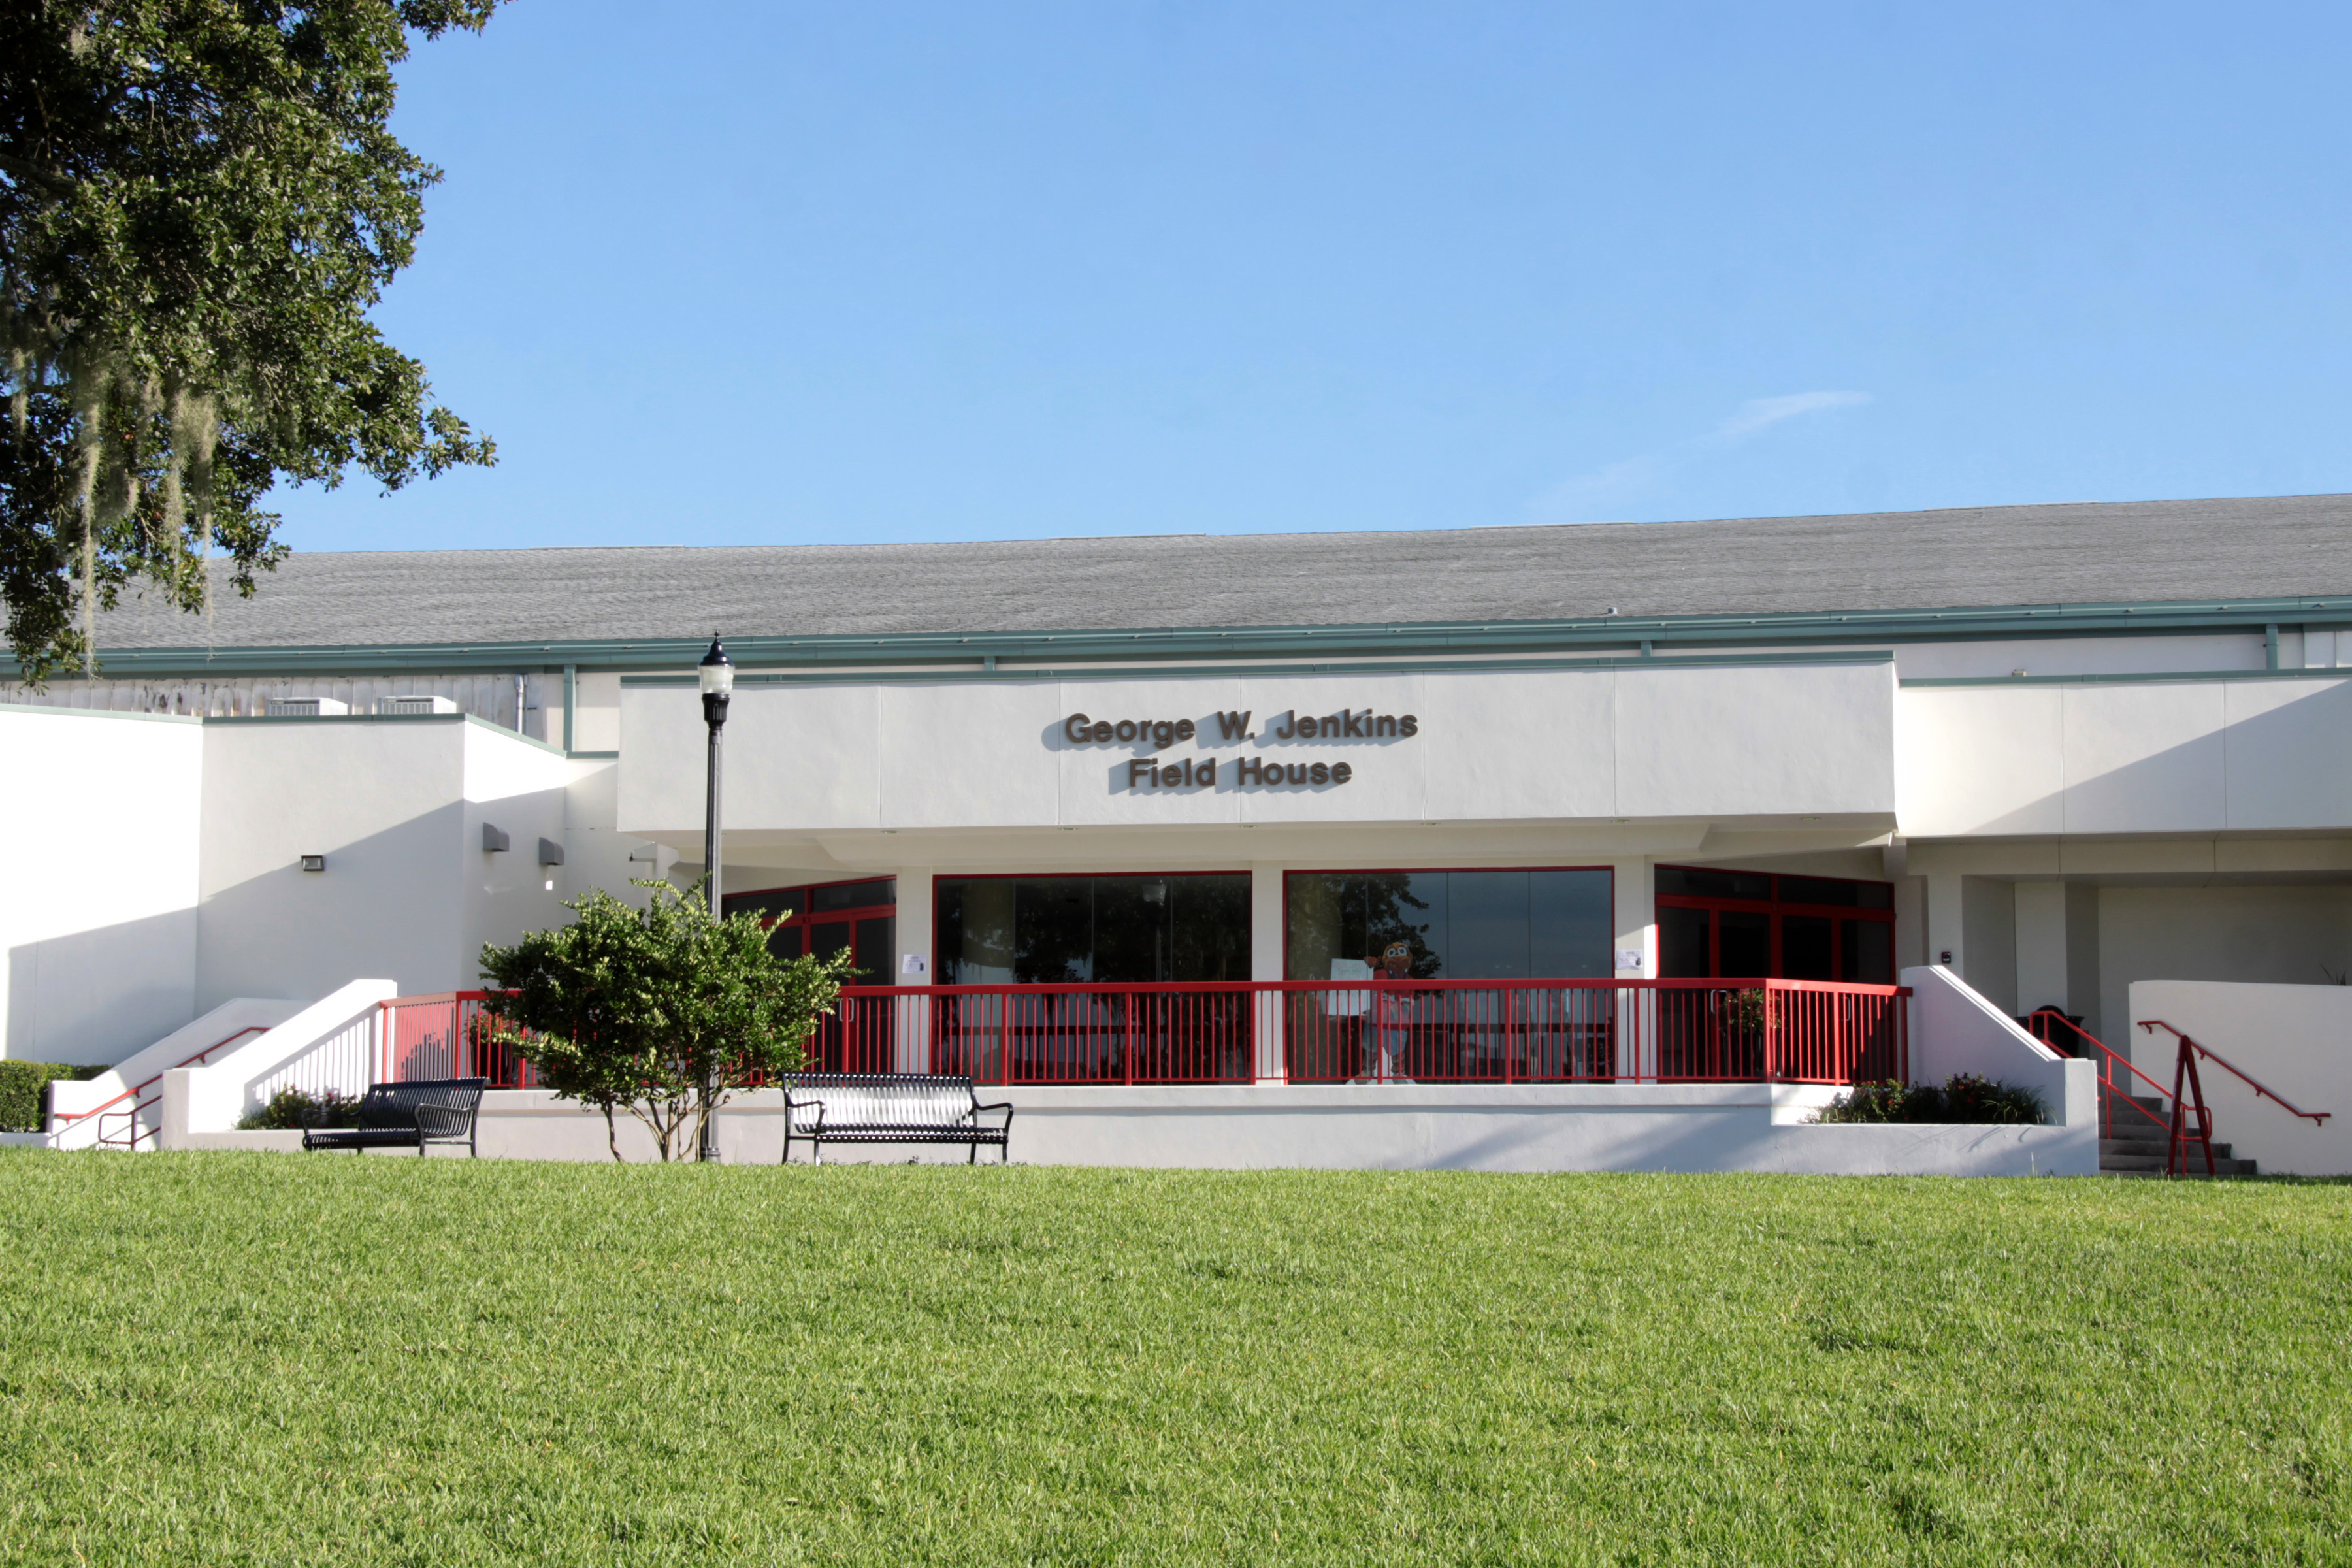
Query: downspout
[(2270, 645), (570, 686)]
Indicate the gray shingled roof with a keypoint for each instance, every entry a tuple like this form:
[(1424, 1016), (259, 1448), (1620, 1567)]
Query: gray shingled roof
[(2271, 547)]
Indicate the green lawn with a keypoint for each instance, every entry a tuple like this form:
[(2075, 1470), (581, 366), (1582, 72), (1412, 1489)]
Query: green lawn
[(279, 1359)]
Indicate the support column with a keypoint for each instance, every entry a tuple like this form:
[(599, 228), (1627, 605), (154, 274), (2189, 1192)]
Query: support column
[(911, 1053), (1636, 935), (915, 909), (2041, 946), (1269, 914)]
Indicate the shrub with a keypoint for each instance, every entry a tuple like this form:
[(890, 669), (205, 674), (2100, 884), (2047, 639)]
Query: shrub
[(290, 1109), (1967, 1098), (1963, 1097), (25, 1092), (1871, 1102)]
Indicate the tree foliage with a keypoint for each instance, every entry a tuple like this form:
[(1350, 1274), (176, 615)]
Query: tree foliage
[(199, 202), (666, 1013)]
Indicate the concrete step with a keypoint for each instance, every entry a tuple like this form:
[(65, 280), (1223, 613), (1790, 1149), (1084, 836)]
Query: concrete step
[(2153, 1165), (2156, 1146)]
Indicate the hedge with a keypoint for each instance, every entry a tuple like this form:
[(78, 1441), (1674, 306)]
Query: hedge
[(23, 1092)]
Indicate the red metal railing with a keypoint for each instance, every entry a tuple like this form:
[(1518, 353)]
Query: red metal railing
[(2318, 1118), (2189, 1120), (1292, 1031), (1450, 1031), (448, 1034), (2068, 1037)]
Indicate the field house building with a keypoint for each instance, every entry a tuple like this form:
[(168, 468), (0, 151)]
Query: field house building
[(1682, 826)]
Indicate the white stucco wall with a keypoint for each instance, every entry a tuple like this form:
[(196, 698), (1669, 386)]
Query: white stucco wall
[(1715, 741), (526, 792), (99, 881), (2192, 756), (2297, 1040), (384, 801), (397, 806), (2287, 935), (1955, 1029)]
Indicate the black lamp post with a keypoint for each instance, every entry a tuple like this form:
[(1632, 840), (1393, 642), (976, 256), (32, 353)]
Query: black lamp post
[(718, 673)]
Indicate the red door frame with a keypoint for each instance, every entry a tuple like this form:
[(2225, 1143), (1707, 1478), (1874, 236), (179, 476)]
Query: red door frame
[(1774, 908)]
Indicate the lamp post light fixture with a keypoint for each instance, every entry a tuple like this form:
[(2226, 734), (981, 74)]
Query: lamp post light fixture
[(718, 679)]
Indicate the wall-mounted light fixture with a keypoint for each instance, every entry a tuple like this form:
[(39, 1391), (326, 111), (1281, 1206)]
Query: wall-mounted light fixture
[(495, 839), (314, 862), (551, 853)]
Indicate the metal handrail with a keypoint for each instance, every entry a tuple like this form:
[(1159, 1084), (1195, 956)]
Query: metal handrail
[(2317, 1117), (2114, 1056), (143, 1086)]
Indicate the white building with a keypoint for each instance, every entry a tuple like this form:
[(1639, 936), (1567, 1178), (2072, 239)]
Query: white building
[(2054, 752)]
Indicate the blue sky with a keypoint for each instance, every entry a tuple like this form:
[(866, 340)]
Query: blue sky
[(769, 273)]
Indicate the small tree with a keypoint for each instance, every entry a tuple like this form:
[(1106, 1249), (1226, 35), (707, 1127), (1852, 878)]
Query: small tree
[(666, 1013)]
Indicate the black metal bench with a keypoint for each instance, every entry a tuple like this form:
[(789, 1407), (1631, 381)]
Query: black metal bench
[(409, 1115), (890, 1108)]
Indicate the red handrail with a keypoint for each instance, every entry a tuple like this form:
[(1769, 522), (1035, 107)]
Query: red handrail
[(2210, 1054), (147, 1084), (2048, 1015)]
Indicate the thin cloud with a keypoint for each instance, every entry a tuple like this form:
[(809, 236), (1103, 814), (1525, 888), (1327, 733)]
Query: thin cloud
[(1620, 482), (1759, 412)]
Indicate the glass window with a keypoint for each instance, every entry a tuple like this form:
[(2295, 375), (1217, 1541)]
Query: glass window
[(1686, 938), (775, 904), (854, 895), (1697, 882), (1869, 952), (1042, 931), (1817, 890), (1743, 943), (1805, 953), (1460, 925), (1703, 933)]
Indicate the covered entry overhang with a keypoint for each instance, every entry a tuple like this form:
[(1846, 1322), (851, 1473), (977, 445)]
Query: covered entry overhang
[(1674, 749)]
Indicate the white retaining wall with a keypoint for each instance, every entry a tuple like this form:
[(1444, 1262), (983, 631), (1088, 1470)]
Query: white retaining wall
[(330, 1044), (69, 1125), (1956, 1030), (1601, 1127)]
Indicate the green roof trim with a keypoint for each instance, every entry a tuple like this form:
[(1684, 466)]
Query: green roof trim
[(2128, 677), (1620, 633), (1227, 671)]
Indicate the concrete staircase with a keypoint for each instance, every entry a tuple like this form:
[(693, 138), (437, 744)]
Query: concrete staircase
[(2131, 1145)]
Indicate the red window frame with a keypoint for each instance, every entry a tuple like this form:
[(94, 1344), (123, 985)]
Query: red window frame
[(1774, 908), (802, 918), (1288, 872)]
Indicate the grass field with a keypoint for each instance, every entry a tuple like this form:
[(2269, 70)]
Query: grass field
[(238, 1358)]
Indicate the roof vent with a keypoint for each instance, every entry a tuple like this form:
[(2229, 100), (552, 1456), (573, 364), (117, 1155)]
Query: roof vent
[(305, 708), (393, 706)]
